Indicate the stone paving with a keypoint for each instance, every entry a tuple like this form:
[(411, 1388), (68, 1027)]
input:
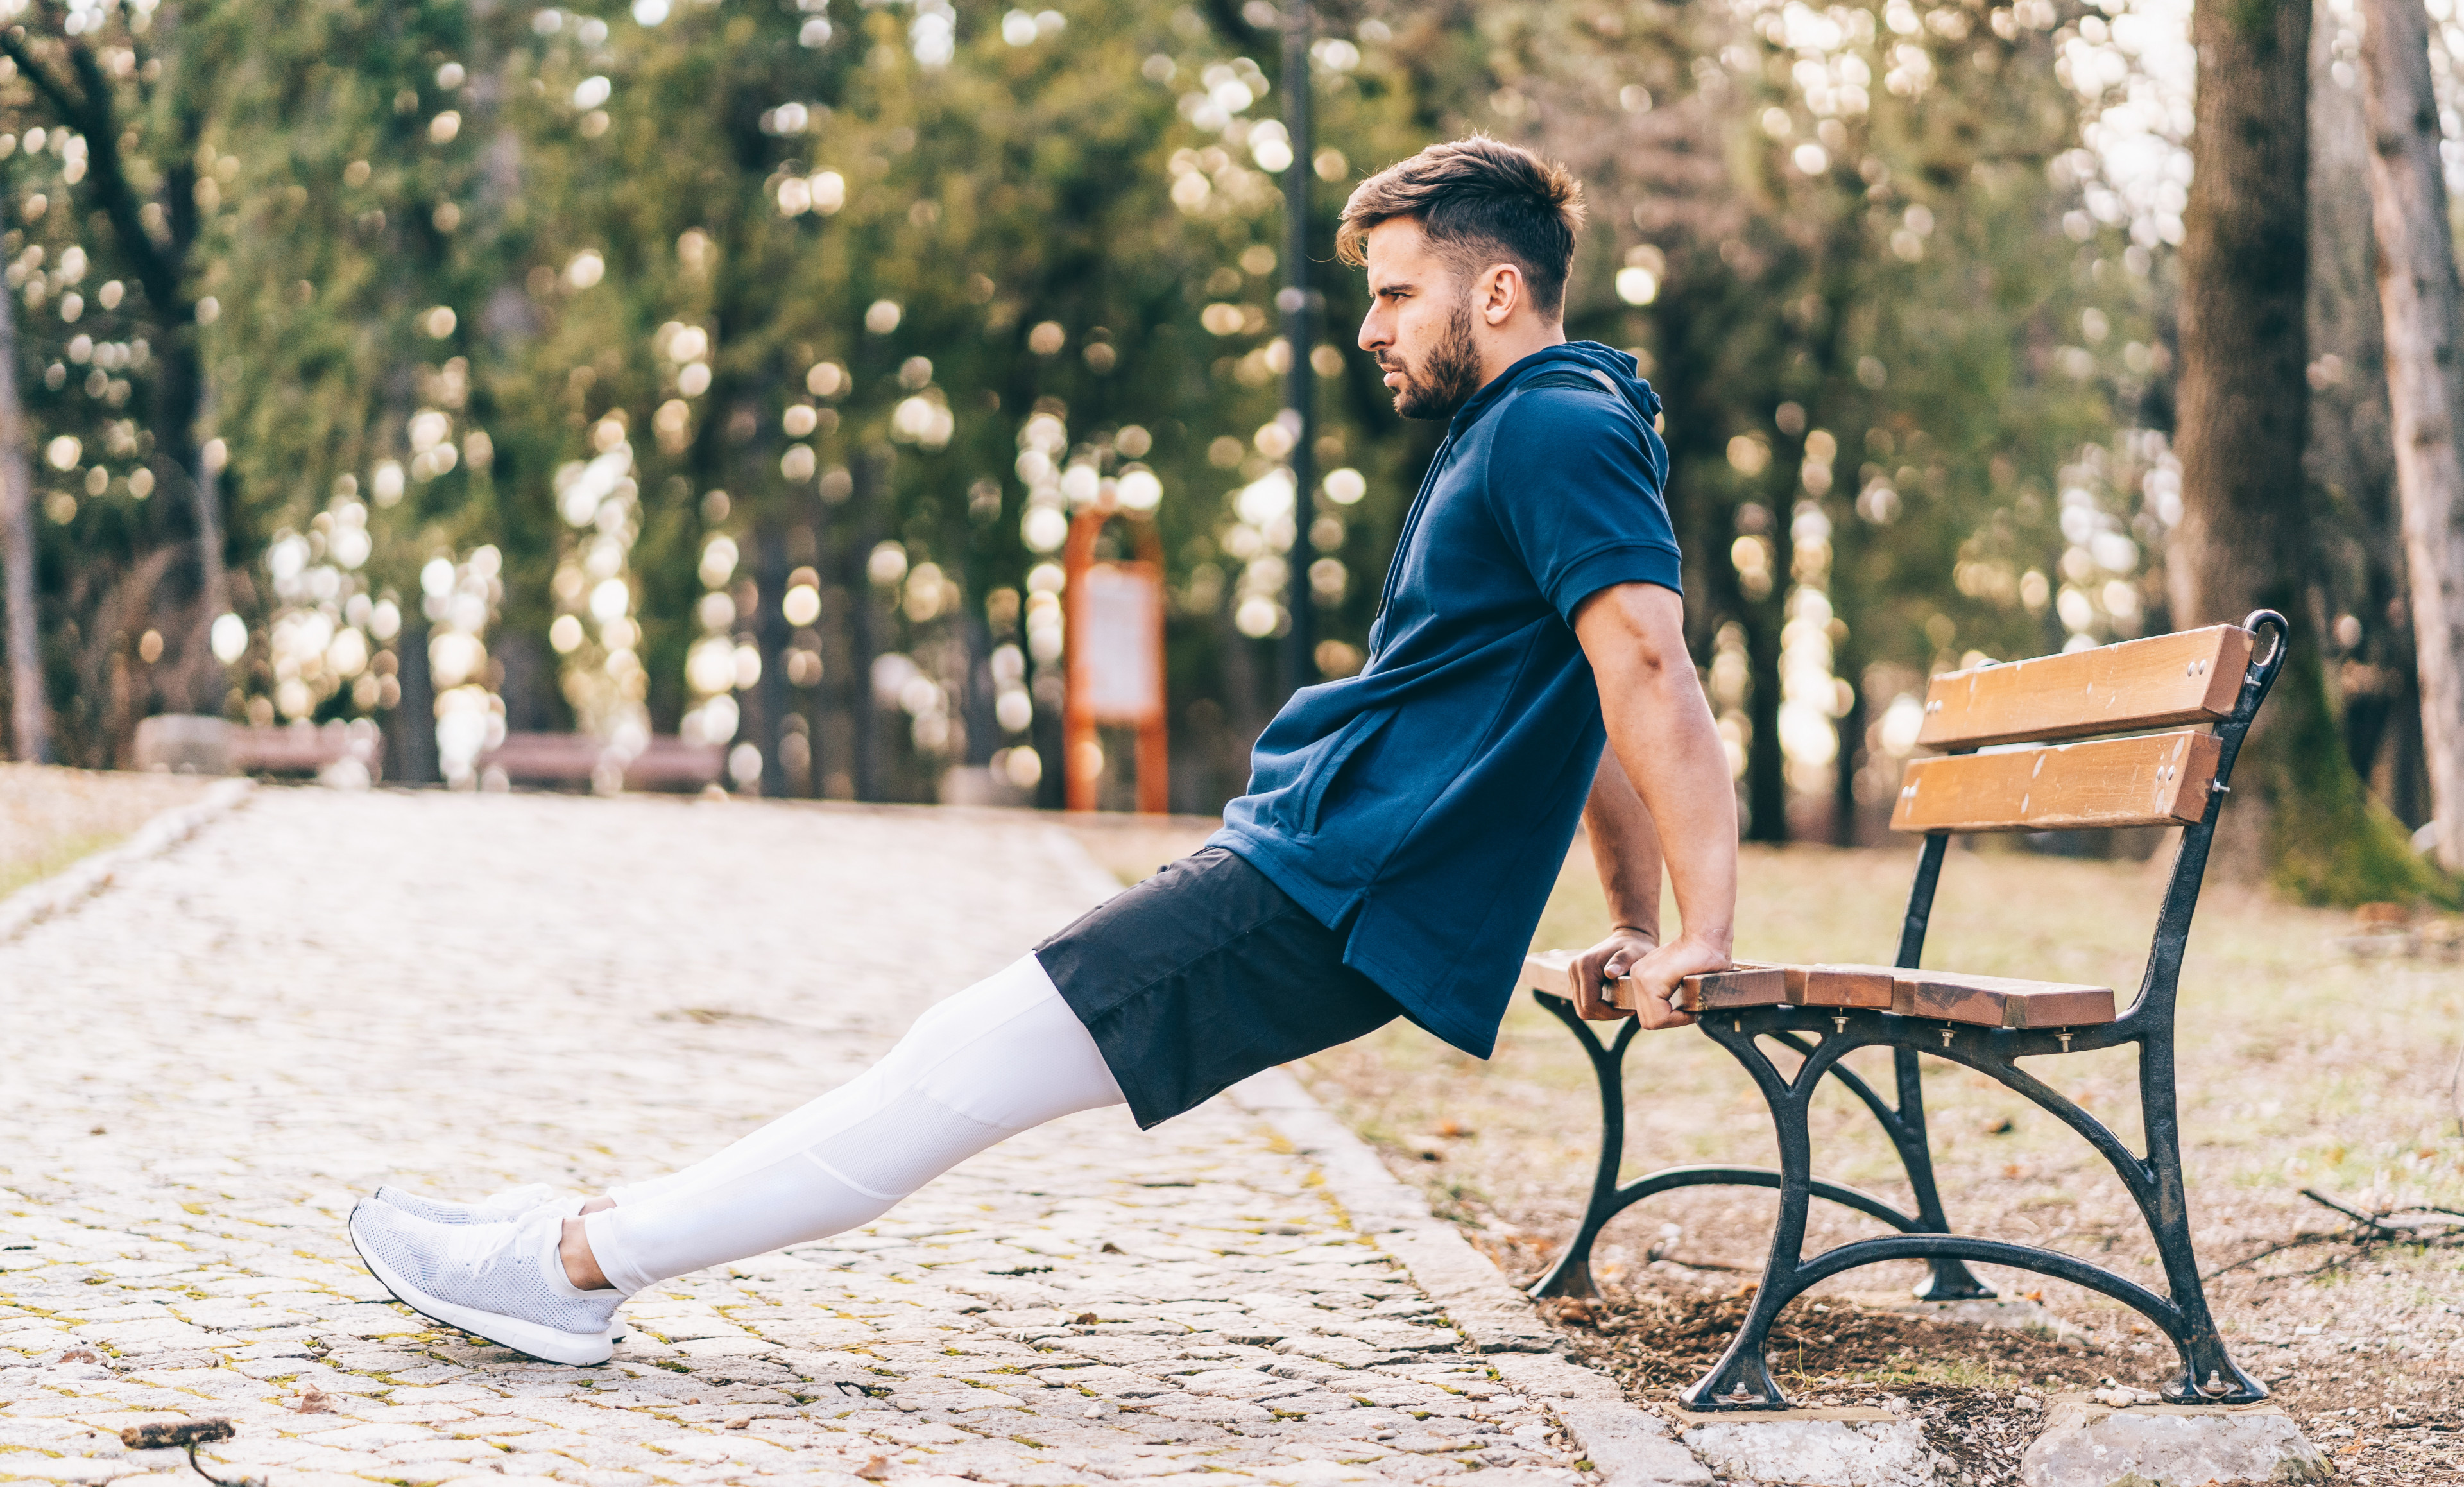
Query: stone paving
[(205, 1063)]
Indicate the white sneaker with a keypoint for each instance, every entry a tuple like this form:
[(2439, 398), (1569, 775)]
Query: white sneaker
[(501, 1208), (491, 1280)]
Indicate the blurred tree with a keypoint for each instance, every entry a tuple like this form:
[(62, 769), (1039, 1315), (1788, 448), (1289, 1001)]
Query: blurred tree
[(685, 367), (356, 274), (2305, 822), (102, 108), (2425, 324), (29, 703), (2356, 527), (1900, 359)]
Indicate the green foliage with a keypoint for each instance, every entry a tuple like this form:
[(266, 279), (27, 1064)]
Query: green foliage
[(879, 294)]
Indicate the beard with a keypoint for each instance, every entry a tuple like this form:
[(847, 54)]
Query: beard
[(1447, 377)]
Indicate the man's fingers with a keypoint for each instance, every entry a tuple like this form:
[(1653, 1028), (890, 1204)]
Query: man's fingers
[(1659, 1009), (1658, 995), (1584, 988), (1591, 1000)]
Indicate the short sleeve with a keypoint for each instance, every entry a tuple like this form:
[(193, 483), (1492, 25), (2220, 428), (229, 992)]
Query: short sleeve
[(1575, 481)]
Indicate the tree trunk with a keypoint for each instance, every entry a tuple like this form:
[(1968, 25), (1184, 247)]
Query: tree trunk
[(866, 622), (770, 634), (410, 729), (29, 711), (2356, 520), (2299, 816), (2425, 330), (207, 677), (1845, 823), (2242, 396)]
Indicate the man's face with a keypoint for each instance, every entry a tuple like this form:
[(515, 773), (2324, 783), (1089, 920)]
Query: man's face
[(1419, 324)]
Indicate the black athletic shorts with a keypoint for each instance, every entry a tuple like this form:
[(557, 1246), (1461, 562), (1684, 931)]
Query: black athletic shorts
[(1201, 976)]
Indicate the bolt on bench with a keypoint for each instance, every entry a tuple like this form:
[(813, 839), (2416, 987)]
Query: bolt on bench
[(1823, 1012)]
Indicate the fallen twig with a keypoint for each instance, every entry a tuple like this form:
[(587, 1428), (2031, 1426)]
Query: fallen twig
[(187, 1435), (2367, 1232), (2355, 1214), (2299, 1241)]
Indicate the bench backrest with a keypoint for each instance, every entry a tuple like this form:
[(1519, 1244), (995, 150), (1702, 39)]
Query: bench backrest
[(2155, 780), (2214, 677)]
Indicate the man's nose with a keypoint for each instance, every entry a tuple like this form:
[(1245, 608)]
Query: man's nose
[(1372, 335)]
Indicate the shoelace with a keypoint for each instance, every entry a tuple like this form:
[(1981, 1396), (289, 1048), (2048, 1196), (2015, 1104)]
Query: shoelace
[(517, 1200), (479, 1246)]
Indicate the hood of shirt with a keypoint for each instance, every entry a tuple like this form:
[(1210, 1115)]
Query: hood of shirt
[(1616, 366)]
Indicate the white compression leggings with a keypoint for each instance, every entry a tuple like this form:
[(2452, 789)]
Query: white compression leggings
[(1002, 1055)]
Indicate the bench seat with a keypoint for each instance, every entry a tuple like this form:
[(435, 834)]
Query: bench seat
[(1945, 996)]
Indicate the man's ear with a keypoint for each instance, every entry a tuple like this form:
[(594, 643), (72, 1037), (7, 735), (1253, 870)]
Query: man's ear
[(1502, 289)]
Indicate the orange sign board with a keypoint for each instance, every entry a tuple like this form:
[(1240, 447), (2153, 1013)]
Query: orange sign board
[(1116, 642), (1115, 669)]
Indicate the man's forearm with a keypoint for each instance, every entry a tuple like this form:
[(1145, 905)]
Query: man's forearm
[(1661, 730), (1682, 774), (1625, 848)]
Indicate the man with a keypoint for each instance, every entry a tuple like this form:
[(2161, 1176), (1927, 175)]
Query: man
[(1401, 830)]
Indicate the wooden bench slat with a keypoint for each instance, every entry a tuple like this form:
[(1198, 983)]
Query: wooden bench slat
[(1948, 996), (1721, 990), (2190, 677), (2158, 780), (2000, 1001), (1827, 985)]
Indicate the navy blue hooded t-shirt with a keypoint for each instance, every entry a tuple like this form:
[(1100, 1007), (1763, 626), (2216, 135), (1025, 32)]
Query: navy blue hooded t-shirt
[(1429, 800)]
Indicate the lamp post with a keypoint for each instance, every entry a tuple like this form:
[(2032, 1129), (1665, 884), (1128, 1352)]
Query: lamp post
[(1299, 305)]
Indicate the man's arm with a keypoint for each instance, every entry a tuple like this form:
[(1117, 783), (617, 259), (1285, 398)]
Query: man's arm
[(1668, 799), (1625, 849)]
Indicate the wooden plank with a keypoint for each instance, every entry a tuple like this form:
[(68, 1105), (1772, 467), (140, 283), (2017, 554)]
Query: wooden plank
[(1828, 984), (2000, 1001), (2193, 675), (1742, 985), (1721, 990), (2159, 780), (1947, 996), (1840, 985)]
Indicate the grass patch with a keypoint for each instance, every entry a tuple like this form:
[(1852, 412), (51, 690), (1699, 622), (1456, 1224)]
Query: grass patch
[(50, 818), (53, 856)]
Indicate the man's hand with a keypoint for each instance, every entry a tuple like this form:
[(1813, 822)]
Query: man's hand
[(1657, 970), (1656, 979), (1605, 962)]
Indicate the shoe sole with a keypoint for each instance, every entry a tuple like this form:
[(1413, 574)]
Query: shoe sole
[(615, 1334), (577, 1349)]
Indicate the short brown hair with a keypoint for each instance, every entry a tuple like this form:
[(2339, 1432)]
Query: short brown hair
[(1477, 195)]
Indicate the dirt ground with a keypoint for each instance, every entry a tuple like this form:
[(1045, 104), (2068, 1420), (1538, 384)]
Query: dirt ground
[(50, 817), (2305, 1064)]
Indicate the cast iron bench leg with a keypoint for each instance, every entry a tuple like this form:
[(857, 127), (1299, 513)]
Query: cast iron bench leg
[(1951, 1279), (2208, 1373), (1742, 1378), (1570, 1274)]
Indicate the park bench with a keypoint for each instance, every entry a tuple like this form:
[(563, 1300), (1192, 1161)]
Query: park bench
[(572, 761), (189, 744), (2213, 679)]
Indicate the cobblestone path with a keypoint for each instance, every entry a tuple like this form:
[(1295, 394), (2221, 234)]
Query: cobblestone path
[(205, 1063)]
